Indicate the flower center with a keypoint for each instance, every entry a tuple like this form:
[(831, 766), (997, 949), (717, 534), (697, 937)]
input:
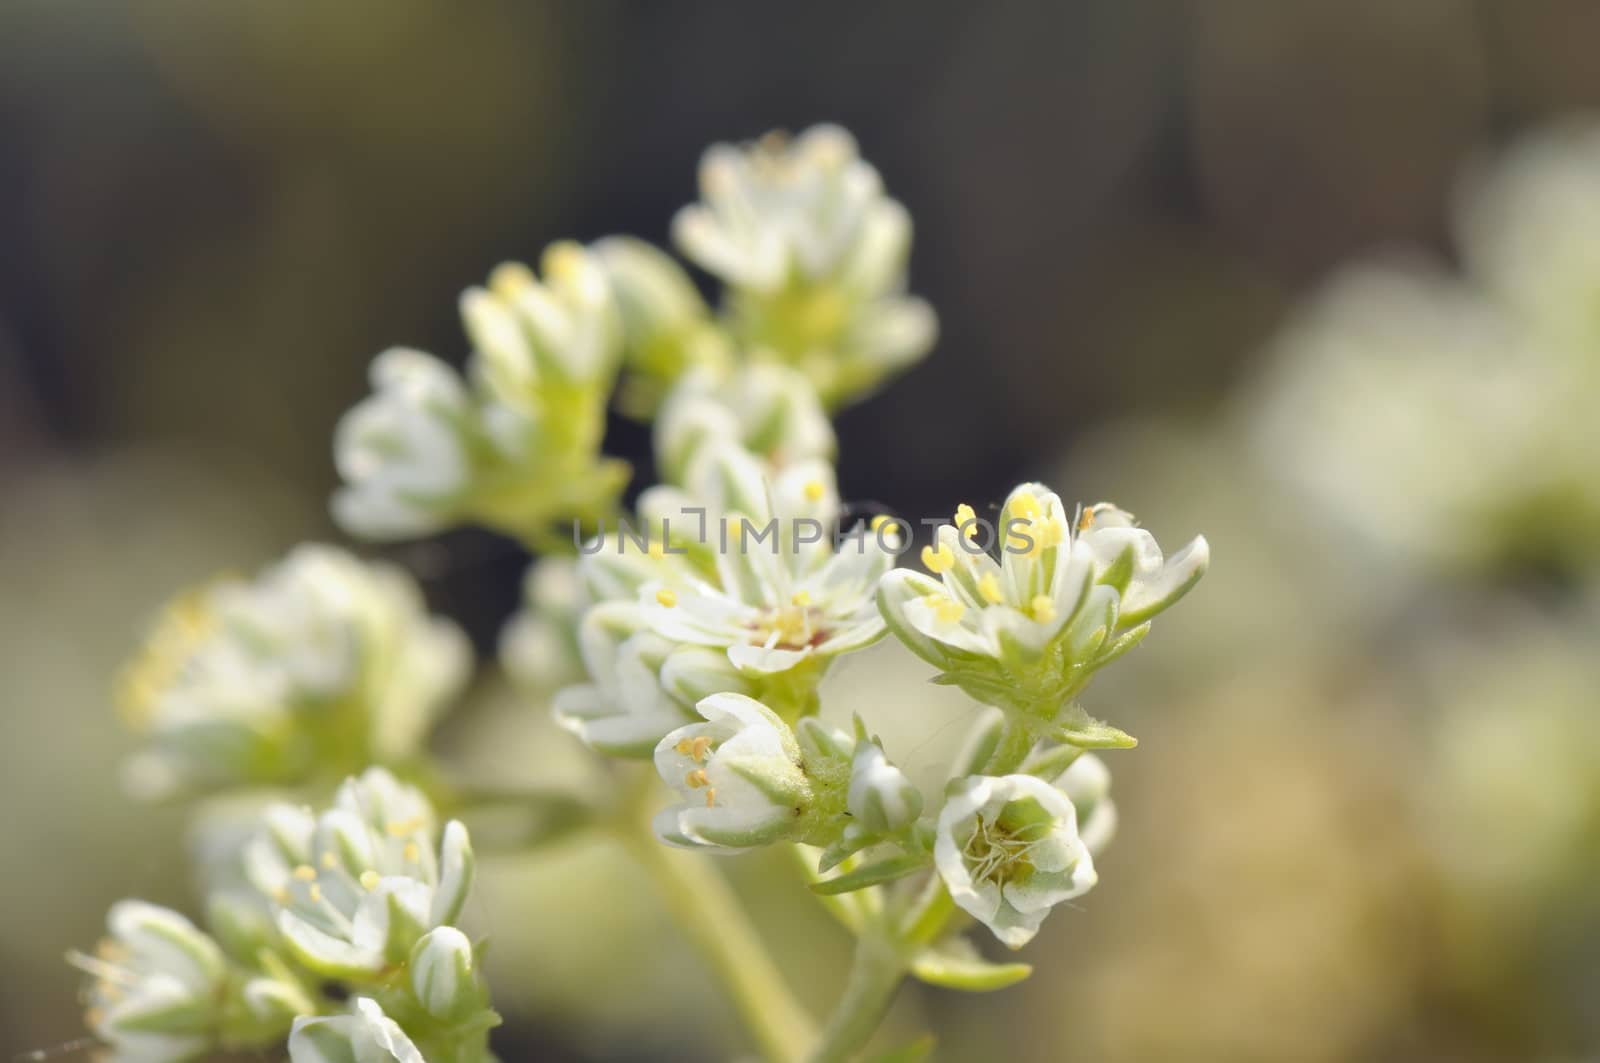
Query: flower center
[(790, 626), (998, 854)]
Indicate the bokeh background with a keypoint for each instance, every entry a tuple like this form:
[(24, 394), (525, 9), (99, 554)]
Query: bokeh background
[(1364, 820)]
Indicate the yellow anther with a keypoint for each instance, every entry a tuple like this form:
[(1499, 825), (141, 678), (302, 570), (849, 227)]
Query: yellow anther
[(563, 260), (411, 853), (369, 880), (946, 609), (989, 587), (937, 559), (1086, 518), (666, 597), (401, 828), (711, 796), (329, 861), (281, 895), (888, 525), (966, 520), (305, 873), (699, 748), (815, 490), (1025, 506), (1046, 535), (1043, 608), (316, 893), (684, 746), (799, 598), (656, 550), (696, 779), (510, 279)]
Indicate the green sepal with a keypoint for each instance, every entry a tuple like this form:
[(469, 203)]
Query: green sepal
[(955, 969), (1084, 731), (872, 874)]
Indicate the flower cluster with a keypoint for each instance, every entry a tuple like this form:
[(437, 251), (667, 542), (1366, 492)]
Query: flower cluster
[(1447, 417), (360, 896), (695, 635), (321, 664), (516, 445)]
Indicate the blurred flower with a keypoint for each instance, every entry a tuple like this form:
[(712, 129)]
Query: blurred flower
[(814, 256), (517, 448), (1027, 632), (356, 887), (1008, 850), (159, 985), (365, 1035), (770, 410), (444, 976), (667, 328), (1087, 784), (739, 774), (1449, 418), (321, 662), (539, 644)]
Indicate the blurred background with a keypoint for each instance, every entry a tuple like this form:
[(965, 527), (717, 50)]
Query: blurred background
[(1364, 819)]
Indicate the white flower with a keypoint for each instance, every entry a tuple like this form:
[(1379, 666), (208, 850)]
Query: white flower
[(365, 1035), (1087, 784), (322, 660), (405, 452), (667, 328), (159, 985), (516, 446), (1026, 631), (444, 975), (770, 410), (642, 685), (739, 774), (356, 887), (1008, 850), (814, 254), (539, 644), (880, 799), (778, 593)]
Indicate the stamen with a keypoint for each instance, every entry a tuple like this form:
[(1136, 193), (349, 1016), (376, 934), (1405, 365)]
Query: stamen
[(696, 779), (370, 880), (814, 490), (329, 861), (1043, 608), (989, 587), (305, 873), (937, 559), (887, 524), (656, 550), (966, 520), (711, 797), (316, 893), (945, 609), (800, 598), (666, 597), (404, 827), (699, 748), (411, 853)]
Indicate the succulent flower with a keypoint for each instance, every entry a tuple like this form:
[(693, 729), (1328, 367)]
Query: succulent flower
[(1008, 850), (364, 1035), (667, 329), (770, 410), (783, 594), (539, 644), (356, 887), (739, 774), (321, 662), (1027, 631), (517, 445), (814, 256), (881, 800)]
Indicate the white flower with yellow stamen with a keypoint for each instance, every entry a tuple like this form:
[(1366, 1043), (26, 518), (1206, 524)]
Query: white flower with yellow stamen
[(158, 986), (780, 593), (1087, 784), (770, 410), (739, 774), (1026, 629), (1008, 851), (356, 887), (322, 660), (814, 255), (516, 445), (365, 1035)]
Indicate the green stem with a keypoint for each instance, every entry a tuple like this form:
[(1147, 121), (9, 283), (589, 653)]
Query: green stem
[(707, 910), (875, 977), (1014, 746)]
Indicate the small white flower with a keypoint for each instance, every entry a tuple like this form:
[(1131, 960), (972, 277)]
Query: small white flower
[(1063, 599), (815, 256), (1087, 784), (356, 887), (365, 1035), (739, 774), (158, 986), (781, 594), (770, 410), (1008, 850), (444, 975), (322, 659), (668, 330), (881, 799)]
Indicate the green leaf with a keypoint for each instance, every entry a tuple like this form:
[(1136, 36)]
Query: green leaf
[(872, 874), (1084, 731), (966, 970)]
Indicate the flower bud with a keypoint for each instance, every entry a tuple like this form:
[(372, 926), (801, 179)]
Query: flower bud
[(444, 975), (365, 1035), (881, 798)]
